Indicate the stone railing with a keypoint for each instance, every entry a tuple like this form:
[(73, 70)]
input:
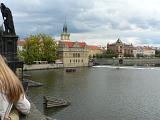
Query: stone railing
[(128, 61), (42, 66)]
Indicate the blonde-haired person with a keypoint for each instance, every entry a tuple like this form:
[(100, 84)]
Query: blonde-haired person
[(11, 93)]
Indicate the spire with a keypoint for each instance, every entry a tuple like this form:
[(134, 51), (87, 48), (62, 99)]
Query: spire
[(65, 35), (119, 41), (65, 29)]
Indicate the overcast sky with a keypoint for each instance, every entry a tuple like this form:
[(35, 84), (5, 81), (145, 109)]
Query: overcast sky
[(93, 21)]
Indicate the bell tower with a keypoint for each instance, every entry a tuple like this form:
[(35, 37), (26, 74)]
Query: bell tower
[(65, 35)]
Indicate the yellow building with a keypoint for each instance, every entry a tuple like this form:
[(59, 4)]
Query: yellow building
[(72, 54), (94, 50)]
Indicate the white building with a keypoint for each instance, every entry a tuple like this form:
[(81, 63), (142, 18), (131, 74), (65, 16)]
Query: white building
[(143, 51), (148, 51), (20, 44)]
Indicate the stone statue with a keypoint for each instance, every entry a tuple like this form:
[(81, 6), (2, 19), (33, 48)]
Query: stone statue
[(8, 20)]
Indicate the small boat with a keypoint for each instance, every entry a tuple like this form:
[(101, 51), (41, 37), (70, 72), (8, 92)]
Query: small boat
[(55, 102), (70, 70)]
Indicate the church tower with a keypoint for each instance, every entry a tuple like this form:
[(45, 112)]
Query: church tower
[(65, 35)]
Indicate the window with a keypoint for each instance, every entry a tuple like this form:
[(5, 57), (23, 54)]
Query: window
[(82, 60), (70, 61)]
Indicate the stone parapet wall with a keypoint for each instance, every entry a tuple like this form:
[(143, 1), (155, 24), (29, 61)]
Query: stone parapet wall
[(128, 61), (35, 114), (42, 66)]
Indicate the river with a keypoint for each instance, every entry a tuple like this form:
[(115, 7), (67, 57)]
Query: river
[(100, 93)]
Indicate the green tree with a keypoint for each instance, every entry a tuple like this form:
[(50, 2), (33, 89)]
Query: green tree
[(128, 55), (157, 53), (49, 48), (39, 47), (109, 54), (99, 56), (139, 55)]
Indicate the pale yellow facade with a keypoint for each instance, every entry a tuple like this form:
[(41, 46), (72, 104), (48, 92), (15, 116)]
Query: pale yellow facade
[(94, 50), (75, 56)]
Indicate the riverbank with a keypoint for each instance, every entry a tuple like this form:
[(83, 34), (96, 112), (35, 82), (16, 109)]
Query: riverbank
[(41, 66), (129, 61), (48, 66)]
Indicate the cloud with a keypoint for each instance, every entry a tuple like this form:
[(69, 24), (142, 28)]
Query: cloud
[(93, 21)]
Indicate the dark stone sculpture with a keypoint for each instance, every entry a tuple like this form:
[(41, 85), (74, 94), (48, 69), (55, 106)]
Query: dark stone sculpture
[(8, 40), (8, 20)]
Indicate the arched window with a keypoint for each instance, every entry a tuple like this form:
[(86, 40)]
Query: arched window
[(82, 60), (78, 54)]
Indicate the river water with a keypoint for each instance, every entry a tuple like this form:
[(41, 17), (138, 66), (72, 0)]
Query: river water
[(100, 93)]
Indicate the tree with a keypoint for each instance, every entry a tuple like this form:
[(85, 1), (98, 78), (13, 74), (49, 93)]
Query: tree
[(157, 53), (109, 54), (39, 47), (139, 55), (49, 48), (128, 55)]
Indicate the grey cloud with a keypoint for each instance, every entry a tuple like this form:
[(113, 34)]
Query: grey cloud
[(109, 17)]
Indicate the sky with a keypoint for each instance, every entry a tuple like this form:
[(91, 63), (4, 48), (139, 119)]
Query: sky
[(96, 22)]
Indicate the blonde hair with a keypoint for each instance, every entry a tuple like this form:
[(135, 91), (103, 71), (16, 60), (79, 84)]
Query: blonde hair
[(9, 82)]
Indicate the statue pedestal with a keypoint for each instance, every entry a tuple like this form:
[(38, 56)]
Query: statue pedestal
[(8, 49), (9, 44), (8, 39)]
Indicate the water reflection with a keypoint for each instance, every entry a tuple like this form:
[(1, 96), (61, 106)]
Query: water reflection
[(100, 93)]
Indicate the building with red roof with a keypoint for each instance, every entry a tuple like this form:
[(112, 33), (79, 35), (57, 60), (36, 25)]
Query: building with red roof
[(94, 50), (20, 44), (72, 54), (120, 48), (144, 51)]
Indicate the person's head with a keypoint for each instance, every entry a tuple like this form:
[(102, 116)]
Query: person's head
[(9, 82)]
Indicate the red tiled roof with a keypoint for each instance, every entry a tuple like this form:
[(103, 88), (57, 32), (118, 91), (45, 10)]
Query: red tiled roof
[(20, 42), (82, 44), (68, 44), (147, 48), (93, 47), (71, 44)]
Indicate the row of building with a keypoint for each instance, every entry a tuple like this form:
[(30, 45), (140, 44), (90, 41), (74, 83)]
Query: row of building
[(122, 50), (72, 53), (75, 54)]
